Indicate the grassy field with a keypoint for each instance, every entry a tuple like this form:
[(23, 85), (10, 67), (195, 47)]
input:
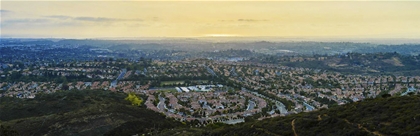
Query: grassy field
[(204, 81), (181, 82), (160, 63), (168, 90), (171, 82)]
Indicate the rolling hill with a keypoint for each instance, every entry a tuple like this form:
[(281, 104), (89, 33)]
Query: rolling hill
[(107, 113)]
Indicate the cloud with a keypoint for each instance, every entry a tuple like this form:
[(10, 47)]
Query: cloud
[(226, 20), (4, 11), (96, 19), (68, 21), (91, 19), (244, 20), (250, 20), (59, 17), (18, 21)]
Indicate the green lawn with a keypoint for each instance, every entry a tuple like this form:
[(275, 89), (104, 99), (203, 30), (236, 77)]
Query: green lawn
[(171, 82), (180, 82), (168, 90)]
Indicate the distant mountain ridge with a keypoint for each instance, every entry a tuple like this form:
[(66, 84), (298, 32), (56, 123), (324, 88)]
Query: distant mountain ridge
[(299, 47)]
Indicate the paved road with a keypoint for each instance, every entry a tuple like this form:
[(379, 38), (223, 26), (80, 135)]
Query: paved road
[(308, 107), (210, 70), (122, 74), (281, 108), (161, 105), (278, 103), (251, 105)]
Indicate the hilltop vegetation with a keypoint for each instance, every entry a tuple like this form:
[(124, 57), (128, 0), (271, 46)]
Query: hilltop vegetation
[(381, 116), (80, 113), (107, 113)]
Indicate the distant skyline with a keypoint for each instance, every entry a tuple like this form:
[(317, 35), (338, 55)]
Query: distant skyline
[(298, 19)]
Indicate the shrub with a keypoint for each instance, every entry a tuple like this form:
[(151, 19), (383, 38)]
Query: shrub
[(134, 99)]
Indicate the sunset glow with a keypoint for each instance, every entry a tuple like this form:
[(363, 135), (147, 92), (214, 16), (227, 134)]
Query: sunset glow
[(221, 35), (76, 19)]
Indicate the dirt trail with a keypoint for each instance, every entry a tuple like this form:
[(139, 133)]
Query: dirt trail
[(293, 127), (376, 133)]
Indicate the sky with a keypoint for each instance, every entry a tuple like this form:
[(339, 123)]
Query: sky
[(108, 19)]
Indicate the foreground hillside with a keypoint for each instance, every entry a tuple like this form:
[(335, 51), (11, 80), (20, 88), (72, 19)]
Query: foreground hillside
[(80, 113), (381, 116), (107, 113)]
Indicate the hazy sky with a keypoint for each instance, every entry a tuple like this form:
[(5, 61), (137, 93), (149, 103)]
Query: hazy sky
[(76, 19)]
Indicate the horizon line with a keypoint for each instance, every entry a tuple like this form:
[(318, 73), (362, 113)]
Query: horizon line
[(209, 36)]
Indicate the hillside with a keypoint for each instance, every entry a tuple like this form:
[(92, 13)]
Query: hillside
[(381, 116), (107, 113), (80, 113)]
